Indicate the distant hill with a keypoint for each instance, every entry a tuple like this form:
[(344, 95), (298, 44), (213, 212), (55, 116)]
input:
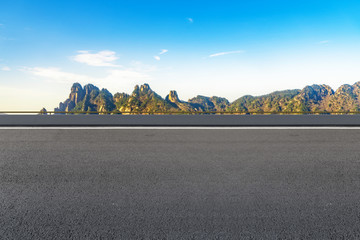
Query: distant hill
[(143, 99)]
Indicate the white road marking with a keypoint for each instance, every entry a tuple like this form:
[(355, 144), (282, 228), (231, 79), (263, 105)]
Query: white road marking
[(179, 128)]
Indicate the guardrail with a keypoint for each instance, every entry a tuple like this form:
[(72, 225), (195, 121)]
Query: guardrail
[(180, 112)]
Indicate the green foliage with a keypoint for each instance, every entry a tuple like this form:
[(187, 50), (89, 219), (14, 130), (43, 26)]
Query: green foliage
[(143, 99)]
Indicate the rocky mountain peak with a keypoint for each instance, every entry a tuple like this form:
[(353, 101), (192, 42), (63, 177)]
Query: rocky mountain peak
[(76, 93), (89, 88), (145, 88), (357, 84), (346, 88), (119, 96), (173, 97), (144, 99), (316, 92), (136, 91), (76, 87), (213, 103)]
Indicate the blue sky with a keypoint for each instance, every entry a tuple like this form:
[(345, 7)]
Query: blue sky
[(224, 48)]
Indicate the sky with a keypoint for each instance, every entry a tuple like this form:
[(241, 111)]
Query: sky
[(223, 48)]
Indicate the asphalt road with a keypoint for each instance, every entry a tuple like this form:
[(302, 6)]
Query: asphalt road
[(180, 120), (179, 184)]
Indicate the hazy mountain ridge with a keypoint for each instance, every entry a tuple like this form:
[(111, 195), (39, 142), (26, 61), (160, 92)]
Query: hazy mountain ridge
[(144, 99)]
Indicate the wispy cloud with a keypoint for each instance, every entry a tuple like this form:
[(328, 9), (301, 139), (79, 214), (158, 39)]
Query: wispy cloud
[(324, 42), (5, 68), (113, 79), (100, 59), (163, 51), (225, 53), (190, 20), (57, 74)]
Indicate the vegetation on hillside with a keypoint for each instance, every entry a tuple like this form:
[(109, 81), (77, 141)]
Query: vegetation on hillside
[(314, 98)]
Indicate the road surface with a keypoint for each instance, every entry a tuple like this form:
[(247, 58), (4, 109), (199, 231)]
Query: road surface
[(180, 120), (179, 184)]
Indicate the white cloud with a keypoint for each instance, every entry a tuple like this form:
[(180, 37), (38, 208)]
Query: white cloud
[(190, 20), (57, 74), (100, 59), (225, 53), (6, 68), (163, 51), (114, 79), (324, 42)]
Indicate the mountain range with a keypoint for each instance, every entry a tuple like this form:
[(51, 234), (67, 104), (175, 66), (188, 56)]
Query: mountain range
[(314, 98)]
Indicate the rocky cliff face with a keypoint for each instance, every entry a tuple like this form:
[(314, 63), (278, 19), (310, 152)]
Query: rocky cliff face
[(87, 99), (76, 95), (212, 104), (173, 97), (346, 98), (144, 99), (273, 102), (174, 104), (310, 99)]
